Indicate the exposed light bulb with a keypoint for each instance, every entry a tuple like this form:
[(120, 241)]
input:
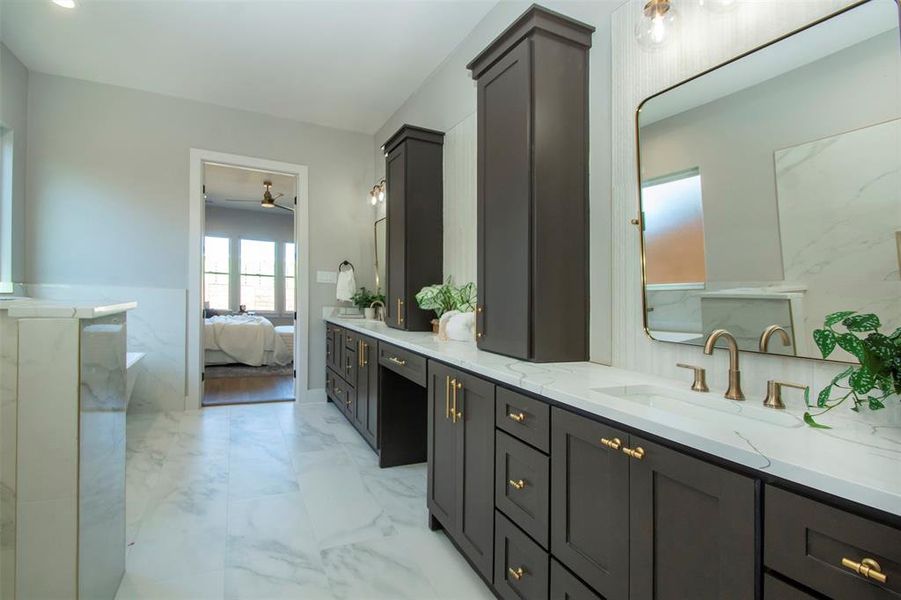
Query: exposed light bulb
[(373, 200), (381, 195), (64, 3), (659, 25)]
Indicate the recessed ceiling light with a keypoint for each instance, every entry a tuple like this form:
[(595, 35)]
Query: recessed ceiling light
[(64, 3)]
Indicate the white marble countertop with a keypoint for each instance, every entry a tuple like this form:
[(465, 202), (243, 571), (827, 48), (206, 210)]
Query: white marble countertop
[(38, 308), (859, 459)]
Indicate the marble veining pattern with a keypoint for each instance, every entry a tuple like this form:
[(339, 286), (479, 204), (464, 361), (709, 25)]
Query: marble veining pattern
[(856, 460), (275, 501)]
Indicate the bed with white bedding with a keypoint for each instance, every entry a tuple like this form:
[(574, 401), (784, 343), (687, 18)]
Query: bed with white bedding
[(246, 339)]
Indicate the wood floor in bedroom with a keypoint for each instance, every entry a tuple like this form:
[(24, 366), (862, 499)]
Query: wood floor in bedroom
[(247, 390)]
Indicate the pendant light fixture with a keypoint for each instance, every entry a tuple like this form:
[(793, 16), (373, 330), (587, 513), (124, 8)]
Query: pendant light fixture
[(658, 26), (377, 193)]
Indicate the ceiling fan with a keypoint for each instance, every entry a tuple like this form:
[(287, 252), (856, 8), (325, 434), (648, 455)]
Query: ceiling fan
[(268, 200)]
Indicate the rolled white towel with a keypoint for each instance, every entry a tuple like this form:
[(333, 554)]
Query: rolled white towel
[(347, 285)]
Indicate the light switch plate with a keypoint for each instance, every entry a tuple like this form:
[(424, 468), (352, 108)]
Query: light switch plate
[(326, 277)]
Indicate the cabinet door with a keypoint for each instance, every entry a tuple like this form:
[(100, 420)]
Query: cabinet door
[(504, 204), (692, 528), (395, 275), (442, 448), (368, 401), (590, 502), (361, 405), (473, 399)]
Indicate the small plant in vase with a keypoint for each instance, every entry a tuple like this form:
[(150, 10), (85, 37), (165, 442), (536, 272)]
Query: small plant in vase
[(870, 383), (445, 297), (363, 300)]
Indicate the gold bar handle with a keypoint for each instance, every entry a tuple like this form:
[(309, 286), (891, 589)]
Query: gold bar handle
[(456, 415), (365, 354), (615, 443), (447, 385), (480, 310), (868, 568), (400, 308), (517, 484), (637, 453), (397, 361), (518, 417), (516, 573)]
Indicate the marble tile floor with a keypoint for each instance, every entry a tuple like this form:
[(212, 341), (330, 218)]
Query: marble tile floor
[(274, 501)]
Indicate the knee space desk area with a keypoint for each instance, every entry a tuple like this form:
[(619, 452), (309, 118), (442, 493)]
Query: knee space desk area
[(551, 486)]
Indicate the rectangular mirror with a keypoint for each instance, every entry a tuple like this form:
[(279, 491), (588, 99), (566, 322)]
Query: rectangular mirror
[(771, 188)]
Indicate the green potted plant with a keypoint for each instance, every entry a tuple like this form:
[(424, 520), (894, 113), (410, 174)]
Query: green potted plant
[(877, 376), (363, 300), (444, 297)]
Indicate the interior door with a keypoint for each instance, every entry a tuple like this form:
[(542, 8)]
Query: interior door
[(504, 204), (396, 173)]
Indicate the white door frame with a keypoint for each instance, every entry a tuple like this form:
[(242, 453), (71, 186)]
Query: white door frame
[(196, 214)]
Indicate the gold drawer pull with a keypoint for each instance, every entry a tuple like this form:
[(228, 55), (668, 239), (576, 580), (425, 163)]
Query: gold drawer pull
[(397, 361), (615, 443), (518, 417), (868, 568), (517, 484), (516, 573), (637, 453)]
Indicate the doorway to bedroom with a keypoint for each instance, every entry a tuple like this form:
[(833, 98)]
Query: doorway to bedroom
[(249, 269)]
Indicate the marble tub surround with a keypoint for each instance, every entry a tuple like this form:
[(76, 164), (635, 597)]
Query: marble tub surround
[(857, 460), (156, 327), (280, 500), (70, 440)]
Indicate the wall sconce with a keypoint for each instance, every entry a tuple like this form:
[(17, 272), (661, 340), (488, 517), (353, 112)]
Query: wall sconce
[(659, 24), (377, 193)]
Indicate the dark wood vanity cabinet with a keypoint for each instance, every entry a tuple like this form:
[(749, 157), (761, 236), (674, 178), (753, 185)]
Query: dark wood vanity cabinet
[(532, 187), (638, 520), (351, 379), (413, 173), (461, 461), (366, 407)]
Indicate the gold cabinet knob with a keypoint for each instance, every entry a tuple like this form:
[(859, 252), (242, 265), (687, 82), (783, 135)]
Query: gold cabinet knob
[(518, 417), (517, 484), (615, 443), (868, 568), (637, 453), (516, 573)]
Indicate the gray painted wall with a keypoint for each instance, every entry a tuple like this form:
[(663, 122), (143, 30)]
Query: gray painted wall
[(108, 187), (448, 97), (13, 115)]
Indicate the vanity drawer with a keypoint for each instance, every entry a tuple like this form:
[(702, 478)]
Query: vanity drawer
[(349, 339), (349, 366), (523, 417), (776, 589), (330, 379), (520, 565), (521, 488), (344, 394), (403, 362), (809, 541), (566, 586)]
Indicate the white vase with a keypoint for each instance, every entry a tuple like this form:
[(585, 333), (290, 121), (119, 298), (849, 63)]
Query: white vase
[(369, 313)]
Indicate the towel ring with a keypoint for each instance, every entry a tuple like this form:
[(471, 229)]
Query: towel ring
[(345, 263)]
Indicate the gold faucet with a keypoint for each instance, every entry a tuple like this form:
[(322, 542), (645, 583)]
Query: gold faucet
[(768, 333), (734, 390), (380, 313)]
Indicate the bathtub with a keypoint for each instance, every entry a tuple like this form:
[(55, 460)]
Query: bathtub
[(132, 370)]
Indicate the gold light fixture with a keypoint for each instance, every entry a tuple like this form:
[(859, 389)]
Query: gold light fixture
[(268, 200), (378, 193), (658, 25)]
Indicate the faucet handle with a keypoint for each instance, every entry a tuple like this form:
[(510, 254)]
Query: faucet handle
[(700, 382), (774, 392)]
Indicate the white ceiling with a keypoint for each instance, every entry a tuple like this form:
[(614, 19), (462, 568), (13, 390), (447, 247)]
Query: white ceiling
[(242, 189), (340, 63)]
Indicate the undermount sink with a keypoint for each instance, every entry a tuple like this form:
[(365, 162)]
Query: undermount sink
[(701, 406)]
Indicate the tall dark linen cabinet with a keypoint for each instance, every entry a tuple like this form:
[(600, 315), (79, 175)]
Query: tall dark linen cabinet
[(413, 173), (533, 189)]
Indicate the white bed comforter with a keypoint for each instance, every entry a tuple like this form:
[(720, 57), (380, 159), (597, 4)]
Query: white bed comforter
[(246, 339)]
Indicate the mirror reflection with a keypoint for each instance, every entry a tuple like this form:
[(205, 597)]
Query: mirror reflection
[(771, 188)]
